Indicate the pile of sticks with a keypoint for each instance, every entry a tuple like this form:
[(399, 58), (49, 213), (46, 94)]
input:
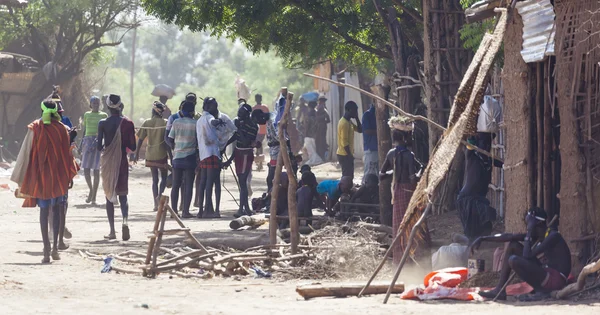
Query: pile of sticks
[(334, 251)]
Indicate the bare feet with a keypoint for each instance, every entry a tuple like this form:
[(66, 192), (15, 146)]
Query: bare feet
[(125, 230), (55, 255), (212, 215), (63, 246), (46, 258), (186, 215), (200, 214), (111, 236), (67, 234)]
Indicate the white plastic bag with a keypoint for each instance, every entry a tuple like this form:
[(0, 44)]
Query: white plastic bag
[(490, 115), (453, 255), (163, 90)]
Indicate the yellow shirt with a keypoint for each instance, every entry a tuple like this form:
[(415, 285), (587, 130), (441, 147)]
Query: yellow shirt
[(345, 136)]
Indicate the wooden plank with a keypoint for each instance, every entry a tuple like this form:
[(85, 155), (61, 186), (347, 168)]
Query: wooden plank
[(345, 289)]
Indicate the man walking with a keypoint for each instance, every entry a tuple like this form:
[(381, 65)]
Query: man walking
[(345, 136), (115, 134), (44, 168)]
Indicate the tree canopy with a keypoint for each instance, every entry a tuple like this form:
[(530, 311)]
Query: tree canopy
[(64, 32), (300, 31), (193, 62)]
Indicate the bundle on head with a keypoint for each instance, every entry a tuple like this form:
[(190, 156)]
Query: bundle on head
[(401, 123)]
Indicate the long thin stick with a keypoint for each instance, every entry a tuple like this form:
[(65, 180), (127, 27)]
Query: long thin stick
[(393, 106), (382, 263), (407, 251), (512, 275)]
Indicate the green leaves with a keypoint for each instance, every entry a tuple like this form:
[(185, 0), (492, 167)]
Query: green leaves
[(302, 32)]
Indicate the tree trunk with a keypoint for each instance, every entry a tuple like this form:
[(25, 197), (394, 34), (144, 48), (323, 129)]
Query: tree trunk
[(515, 77), (384, 144)]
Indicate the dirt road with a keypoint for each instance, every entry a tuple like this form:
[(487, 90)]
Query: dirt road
[(75, 285)]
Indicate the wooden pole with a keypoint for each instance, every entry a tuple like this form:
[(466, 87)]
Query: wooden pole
[(293, 183), (274, 194), (530, 151), (384, 144), (548, 148), (539, 117), (413, 232), (132, 70), (343, 289), (403, 113)]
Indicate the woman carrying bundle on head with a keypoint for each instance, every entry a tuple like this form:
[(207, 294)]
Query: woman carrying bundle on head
[(405, 168)]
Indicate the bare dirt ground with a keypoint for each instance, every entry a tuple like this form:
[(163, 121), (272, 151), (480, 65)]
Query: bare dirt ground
[(75, 285)]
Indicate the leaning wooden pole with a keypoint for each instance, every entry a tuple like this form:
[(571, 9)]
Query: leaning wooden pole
[(293, 183), (413, 232), (274, 194), (403, 113)]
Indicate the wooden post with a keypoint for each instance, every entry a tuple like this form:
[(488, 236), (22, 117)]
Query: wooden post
[(274, 194), (548, 148), (530, 151), (293, 183), (384, 144), (539, 116)]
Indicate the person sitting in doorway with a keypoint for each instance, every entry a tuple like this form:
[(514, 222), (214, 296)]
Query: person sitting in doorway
[(541, 257)]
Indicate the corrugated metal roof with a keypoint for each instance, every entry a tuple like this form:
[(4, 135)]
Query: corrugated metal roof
[(538, 29)]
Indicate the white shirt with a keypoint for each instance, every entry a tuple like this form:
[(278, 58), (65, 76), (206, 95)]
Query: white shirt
[(213, 139)]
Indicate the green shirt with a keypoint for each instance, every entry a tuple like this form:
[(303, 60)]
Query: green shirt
[(154, 130), (90, 122)]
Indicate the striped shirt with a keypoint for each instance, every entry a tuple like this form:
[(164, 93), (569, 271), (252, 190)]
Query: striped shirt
[(247, 131), (183, 133), (90, 122)]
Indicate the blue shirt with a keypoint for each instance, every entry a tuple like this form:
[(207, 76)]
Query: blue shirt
[(330, 187), (67, 122), (369, 123)]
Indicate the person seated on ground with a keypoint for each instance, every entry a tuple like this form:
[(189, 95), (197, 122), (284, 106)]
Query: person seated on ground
[(305, 168), (282, 200), (333, 190), (305, 196), (366, 194), (541, 257)]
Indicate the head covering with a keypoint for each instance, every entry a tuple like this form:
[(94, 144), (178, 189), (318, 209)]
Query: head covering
[(158, 107), (94, 98), (191, 97), (247, 107), (113, 101), (322, 97), (49, 111), (188, 108)]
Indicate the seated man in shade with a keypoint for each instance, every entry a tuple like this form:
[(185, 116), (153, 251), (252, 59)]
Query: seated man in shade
[(541, 257), (366, 194), (305, 196)]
